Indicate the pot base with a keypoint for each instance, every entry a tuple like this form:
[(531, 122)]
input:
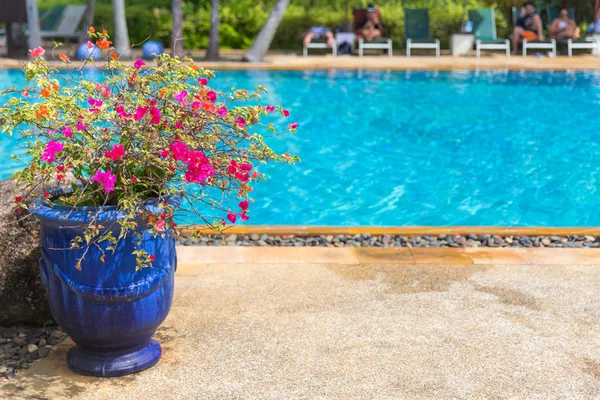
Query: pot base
[(113, 364)]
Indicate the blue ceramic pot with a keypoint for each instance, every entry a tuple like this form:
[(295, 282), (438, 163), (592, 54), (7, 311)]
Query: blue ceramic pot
[(109, 309)]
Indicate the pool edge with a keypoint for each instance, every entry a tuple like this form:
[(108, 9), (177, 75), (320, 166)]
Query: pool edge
[(301, 230)]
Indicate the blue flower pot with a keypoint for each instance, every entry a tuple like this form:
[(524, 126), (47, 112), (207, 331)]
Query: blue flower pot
[(109, 309)]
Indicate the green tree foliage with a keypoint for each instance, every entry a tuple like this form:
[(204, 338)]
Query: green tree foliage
[(242, 20)]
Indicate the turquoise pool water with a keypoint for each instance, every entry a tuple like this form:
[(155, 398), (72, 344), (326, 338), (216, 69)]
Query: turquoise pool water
[(425, 148)]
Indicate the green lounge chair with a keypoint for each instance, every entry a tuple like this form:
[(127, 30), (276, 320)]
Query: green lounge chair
[(360, 17), (552, 14), (62, 22), (484, 29), (417, 32), (583, 43), (546, 44)]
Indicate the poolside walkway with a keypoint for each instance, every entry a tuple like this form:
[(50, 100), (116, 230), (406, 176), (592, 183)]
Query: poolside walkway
[(293, 323), (280, 61)]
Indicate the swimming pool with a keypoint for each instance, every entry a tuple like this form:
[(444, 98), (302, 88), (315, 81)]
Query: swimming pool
[(425, 148)]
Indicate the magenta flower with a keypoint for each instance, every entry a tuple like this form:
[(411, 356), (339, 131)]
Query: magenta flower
[(106, 179), (241, 122), (117, 152), (140, 112), (67, 131), (80, 126), (244, 217), (293, 125), (179, 125), (243, 205), (155, 113), (231, 217), (52, 148), (203, 81), (179, 150), (138, 64), (181, 97), (285, 113), (159, 225), (211, 96), (270, 109), (164, 153), (199, 167), (246, 167), (223, 111)]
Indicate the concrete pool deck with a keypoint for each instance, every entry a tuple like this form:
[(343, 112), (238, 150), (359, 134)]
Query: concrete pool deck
[(254, 323), (280, 61)]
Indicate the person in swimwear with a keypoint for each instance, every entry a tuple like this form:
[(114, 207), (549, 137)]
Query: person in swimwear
[(529, 26), (563, 27), (318, 32)]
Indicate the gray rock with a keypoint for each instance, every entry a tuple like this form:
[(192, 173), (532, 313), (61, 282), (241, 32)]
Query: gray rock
[(42, 342), (43, 352), (32, 348), (19, 341), (22, 295), (57, 334)]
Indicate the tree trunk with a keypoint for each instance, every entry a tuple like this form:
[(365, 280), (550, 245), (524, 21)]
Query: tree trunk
[(212, 51), (177, 29), (121, 34), (595, 13), (33, 19), (265, 37), (88, 20)]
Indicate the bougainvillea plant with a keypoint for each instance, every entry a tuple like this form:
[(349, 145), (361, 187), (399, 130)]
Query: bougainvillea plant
[(134, 133)]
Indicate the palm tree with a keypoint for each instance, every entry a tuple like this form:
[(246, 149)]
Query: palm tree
[(212, 51), (121, 33), (263, 41), (177, 29), (33, 19), (88, 20)]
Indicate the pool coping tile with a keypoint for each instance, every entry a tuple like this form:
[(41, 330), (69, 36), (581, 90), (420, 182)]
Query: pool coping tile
[(440, 255), (555, 256), (490, 255), (389, 255)]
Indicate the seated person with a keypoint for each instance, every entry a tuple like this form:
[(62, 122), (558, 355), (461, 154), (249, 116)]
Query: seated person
[(563, 27), (594, 27), (372, 28), (318, 32), (529, 26)]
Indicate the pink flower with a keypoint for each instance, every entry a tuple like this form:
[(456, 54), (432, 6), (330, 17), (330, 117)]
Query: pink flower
[(211, 96), (134, 180), (232, 168), (80, 126), (246, 167), (159, 225), (67, 131), (223, 111), (37, 52), (270, 109), (120, 109), (203, 81), (90, 44), (179, 125), (244, 217), (117, 152), (243, 205), (140, 112), (52, 148), (232, 217), (285, 113), (293, 125), (181, 97), (199, 167), (93, 102), (241, 122), (106, 179), (179, 150), (138, 64), (164, 153), (155, 112)]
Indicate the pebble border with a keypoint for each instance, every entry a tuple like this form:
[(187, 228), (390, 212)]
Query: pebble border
[(20, 346), (368, 240)]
